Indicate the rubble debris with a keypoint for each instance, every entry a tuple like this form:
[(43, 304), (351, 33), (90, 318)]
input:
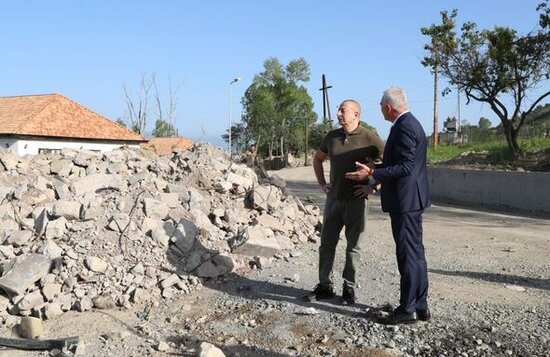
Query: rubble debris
[(82, 230)]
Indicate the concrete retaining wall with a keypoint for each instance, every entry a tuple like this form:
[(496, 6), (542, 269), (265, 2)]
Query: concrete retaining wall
[(526, 191)]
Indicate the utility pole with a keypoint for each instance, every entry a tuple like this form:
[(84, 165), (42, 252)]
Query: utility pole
[(326, 105), (436, 133), (458, 123)]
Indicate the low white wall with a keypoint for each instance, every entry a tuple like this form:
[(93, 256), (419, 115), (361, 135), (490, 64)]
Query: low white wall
[(32, 147), (526, 191)]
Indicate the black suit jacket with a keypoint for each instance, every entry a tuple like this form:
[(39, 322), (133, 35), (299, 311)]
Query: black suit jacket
[(403, 172)]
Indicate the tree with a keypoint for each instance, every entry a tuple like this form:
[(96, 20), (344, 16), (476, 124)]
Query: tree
[(120, 121), (496, 66), (139, 111), (277, 109), (163, 129), (484, 123), (138, 106)]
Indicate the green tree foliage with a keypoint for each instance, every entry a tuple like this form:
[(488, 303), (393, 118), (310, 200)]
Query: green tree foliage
[(496, 66), (484, 123), (277, 109), (121, 121), (163, 129)]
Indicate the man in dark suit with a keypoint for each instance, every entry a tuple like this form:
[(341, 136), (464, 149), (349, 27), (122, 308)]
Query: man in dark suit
[(404, 195)]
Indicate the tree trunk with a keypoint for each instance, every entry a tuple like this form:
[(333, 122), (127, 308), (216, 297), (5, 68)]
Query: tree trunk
[(511, 139)]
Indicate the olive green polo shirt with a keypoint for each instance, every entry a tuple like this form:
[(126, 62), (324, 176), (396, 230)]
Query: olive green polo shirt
[(343, 151)]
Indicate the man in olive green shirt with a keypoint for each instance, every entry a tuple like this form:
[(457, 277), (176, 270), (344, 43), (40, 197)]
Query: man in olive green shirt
[(346, 202)]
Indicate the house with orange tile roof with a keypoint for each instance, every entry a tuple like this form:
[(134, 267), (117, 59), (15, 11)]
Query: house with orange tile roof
[(165, 146), (32, 124)]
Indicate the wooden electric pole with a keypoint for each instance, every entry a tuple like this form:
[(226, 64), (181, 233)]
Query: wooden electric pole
[(436, 132)]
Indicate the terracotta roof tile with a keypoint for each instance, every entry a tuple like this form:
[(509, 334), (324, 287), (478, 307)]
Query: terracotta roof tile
[(164, 146), (54, 115)]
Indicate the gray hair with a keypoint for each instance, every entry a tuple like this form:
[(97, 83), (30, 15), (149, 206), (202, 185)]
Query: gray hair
[(395, 97)]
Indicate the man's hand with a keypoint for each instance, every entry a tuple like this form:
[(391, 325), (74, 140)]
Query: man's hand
[(363, 191), (326, 188), (361, 174)]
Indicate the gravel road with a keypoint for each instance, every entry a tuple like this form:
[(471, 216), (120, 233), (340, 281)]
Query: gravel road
[(489, 295)]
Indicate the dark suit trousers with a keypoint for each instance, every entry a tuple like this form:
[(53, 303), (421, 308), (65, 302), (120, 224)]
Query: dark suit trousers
[(411, 260)]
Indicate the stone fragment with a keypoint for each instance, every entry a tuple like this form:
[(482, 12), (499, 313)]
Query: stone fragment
[(84, 304), (170, 199), (96, 264), (31, 327), (169, 281), (209, 350), (56, 228), (61, 189), (155, 209), (219, 265), (68, 209), (52, 310), (104, 302), (31, 300), (265, 197), (51, 291), (184, 235), (61, 167), (96, 182), (25, 272), (19, 238), (257, 243), (237, 180), (50, 249)]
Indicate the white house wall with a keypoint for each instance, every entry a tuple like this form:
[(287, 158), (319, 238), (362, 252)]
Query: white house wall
[(32, 147)]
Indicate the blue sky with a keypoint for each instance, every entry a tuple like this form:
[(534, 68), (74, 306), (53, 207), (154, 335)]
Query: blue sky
[(87, 51)]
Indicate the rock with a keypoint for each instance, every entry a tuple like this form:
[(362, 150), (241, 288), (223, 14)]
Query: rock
[(25, 272), (31, 301), (257, 243), (97, 182), (209, 350), (30, 327), (52, 310), (155, 209), (219, 265), (50, 249), (68, 209), (96, 264), (19, 238)]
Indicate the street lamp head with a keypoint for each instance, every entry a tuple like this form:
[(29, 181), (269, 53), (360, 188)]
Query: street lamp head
[(235, 80)]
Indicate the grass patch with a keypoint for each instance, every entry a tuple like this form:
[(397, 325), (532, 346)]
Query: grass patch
[(497, 151)]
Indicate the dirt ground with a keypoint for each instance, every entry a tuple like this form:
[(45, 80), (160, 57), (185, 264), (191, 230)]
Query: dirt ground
[(489, 275)]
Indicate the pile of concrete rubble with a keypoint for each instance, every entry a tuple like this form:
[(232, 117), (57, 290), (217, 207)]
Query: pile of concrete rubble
[(82, 230)]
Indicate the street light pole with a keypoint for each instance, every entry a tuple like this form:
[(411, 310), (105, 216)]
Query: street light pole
[(235, 80)]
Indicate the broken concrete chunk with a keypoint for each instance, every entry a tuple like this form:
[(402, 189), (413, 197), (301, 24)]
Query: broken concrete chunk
[(257, 242), (155, 209), (25, 272), (19, 238), (66, 208), (31, 301), (96, 264), (97, 182), (219, 265), (50, 249), (30, 327)]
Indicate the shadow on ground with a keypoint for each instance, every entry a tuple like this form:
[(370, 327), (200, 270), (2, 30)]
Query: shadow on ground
[(543, 284)]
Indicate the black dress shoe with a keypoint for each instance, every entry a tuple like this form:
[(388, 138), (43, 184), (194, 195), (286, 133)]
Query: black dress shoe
[(398, 317), (348, 295), (423, 315), (320, 292)]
